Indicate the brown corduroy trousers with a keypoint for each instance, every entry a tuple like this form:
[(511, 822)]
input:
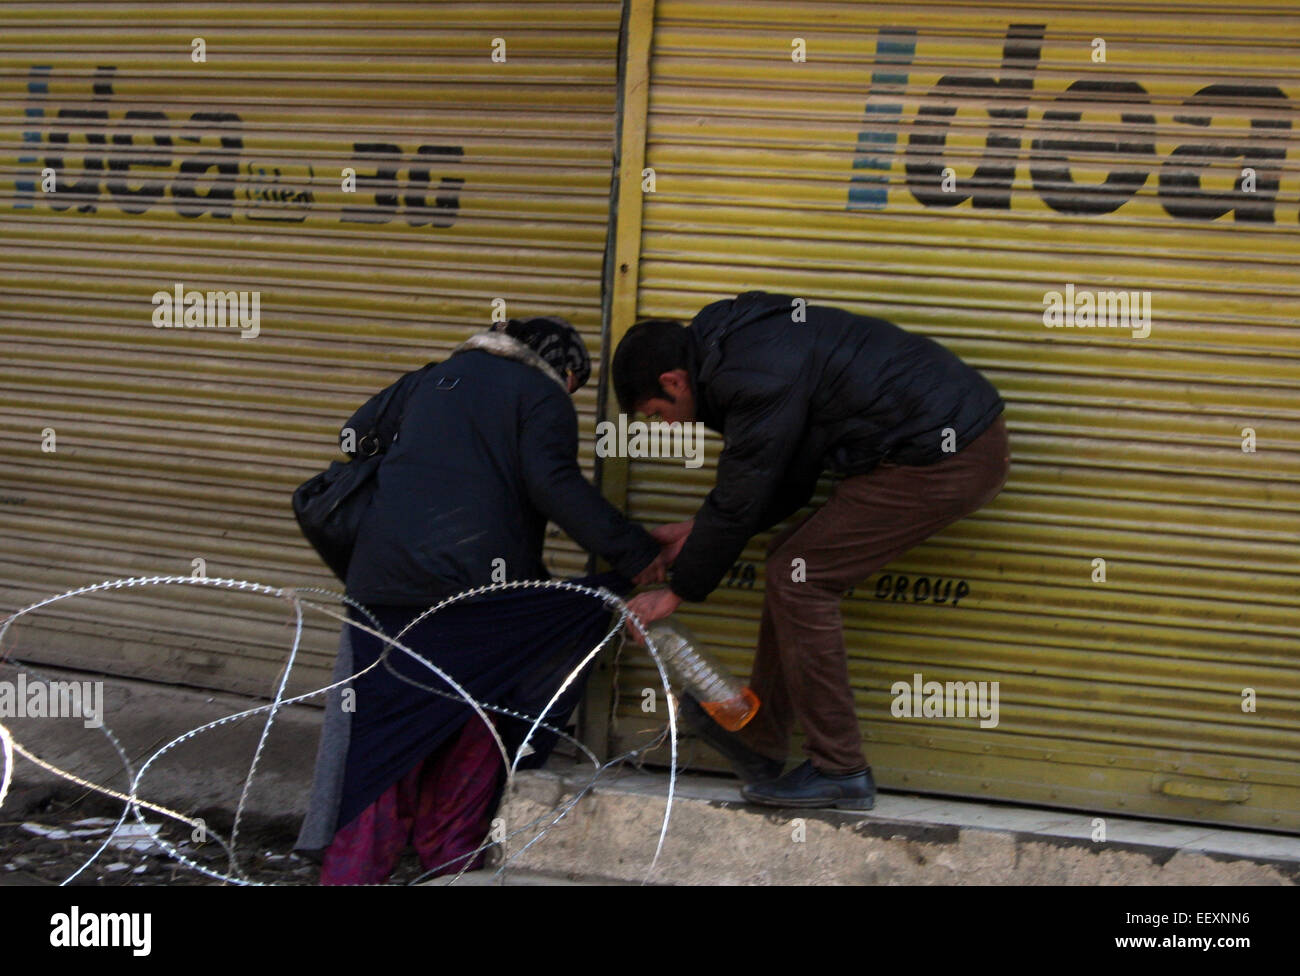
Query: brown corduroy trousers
[(800, 669)]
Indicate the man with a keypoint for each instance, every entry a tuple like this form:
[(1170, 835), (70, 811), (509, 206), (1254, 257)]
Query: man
[(486, 453), (918, 441)]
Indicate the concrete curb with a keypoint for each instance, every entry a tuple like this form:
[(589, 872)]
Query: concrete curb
[(715, 838), (202, 774)]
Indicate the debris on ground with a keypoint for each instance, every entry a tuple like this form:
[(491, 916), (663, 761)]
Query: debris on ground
[(54, 838)]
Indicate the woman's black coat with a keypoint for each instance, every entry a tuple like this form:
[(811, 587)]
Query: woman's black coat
[(486, 453)]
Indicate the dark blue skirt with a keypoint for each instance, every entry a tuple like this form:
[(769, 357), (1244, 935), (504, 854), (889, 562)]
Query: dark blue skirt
[(510, 648)]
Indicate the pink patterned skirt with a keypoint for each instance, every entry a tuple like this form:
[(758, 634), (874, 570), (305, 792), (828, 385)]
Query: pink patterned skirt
[(443, 806)]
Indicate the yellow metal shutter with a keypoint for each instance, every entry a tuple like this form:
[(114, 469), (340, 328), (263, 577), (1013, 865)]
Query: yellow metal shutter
[(478, 179), (946, 167)]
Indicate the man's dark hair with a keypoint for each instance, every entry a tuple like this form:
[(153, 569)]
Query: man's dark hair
[(651, 347)]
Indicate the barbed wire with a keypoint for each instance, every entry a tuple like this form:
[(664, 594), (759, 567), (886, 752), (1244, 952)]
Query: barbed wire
[(234, 874)]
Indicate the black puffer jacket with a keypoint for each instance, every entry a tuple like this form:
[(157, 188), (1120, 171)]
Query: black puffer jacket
[(791, 399), (486, 453)]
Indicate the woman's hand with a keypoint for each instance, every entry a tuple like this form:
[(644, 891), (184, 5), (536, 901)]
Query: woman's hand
[(672, 537), (656, 570)]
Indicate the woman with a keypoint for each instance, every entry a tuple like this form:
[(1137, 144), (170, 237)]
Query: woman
[(485, 456)]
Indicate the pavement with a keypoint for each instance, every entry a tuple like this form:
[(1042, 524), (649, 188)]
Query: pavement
[(611, 833)]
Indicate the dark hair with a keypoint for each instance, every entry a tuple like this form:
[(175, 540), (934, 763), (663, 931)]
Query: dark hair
[(651, 347)]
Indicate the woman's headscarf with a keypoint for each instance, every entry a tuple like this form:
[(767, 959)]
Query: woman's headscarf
[(556, 341)]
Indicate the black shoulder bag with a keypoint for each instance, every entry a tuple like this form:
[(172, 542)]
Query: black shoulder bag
[(330, 506)]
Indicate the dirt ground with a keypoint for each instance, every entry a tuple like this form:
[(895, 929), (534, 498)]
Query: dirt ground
[(47, 834)]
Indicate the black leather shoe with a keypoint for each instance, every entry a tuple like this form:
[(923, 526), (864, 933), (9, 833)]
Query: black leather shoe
[(807, 786), (751, 766)]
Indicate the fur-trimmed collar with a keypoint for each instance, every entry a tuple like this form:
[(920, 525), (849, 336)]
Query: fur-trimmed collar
[(500, 344)]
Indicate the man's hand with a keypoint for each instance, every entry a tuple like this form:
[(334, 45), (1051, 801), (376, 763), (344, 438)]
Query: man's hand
[(650, 607), (672, 537)]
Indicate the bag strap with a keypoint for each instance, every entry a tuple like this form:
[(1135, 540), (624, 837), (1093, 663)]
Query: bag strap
[(382, 432)]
